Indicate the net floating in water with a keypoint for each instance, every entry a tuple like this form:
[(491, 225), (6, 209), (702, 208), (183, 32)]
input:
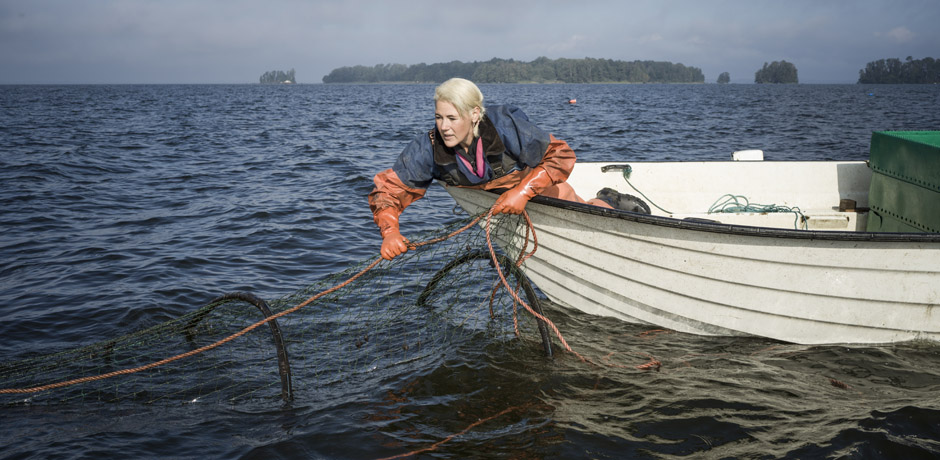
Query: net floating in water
[(411, 311)]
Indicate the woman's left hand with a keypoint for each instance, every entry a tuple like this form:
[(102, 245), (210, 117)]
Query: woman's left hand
[(512, 201)]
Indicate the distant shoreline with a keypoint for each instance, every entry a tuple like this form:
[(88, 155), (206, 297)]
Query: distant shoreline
[(539, 70), (434, 83), (514, 83)]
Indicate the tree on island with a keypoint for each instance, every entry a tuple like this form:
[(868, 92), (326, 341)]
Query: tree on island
[(278, 76), (724, 78), (776, 72), (541, 70), (926, 70)]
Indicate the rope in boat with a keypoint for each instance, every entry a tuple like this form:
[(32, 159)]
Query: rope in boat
[(739, 203), (729, 203), (627, 169)]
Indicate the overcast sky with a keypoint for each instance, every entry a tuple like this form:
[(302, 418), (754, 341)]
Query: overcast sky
[(234, 41)]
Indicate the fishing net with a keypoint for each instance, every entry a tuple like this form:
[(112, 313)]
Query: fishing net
[(327, 341)]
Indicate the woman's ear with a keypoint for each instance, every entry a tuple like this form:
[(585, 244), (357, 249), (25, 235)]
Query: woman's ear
[(475, 117)]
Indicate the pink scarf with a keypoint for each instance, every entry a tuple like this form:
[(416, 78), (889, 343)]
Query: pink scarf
[(480, 167)]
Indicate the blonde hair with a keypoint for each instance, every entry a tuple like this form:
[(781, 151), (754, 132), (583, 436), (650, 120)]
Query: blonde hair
[(464, 96)]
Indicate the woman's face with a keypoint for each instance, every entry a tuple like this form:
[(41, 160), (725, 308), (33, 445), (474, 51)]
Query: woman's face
[(454, 128)]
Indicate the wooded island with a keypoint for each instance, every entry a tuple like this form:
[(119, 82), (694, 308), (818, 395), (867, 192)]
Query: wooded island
[(926, 70), (591, 70), (777, 72), (541, 70)]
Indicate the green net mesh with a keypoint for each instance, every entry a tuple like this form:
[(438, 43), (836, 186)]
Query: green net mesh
[(411, 311)]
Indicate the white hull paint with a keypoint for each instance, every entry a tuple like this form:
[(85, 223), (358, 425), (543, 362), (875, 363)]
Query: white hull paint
[(745, 277)]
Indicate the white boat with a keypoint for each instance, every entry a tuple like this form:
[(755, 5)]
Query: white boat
[(810, 276)]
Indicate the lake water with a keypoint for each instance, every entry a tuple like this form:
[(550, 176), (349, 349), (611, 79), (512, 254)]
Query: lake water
[(128, 205)]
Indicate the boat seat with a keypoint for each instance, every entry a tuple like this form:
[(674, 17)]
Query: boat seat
[(823, 219)]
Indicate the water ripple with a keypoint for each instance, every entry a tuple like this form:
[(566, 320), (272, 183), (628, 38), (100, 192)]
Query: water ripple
[(125, 206)]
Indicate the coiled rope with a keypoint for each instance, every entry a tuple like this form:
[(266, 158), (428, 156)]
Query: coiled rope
[(740, 203), (726, 203)]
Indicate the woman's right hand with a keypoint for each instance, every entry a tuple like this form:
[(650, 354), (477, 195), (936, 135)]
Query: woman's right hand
[(393, 245)]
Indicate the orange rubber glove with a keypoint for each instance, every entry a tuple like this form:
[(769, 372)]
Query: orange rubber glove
[(513, 201), (393, 243)]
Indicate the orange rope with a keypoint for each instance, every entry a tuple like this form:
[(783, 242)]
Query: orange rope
[(449, 438), (216, 344), (522, 257), (515, 296), (224, 340), (652, 364)]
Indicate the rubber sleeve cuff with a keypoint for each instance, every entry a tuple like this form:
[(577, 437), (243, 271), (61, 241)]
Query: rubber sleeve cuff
[(387, 220), (535, 182)]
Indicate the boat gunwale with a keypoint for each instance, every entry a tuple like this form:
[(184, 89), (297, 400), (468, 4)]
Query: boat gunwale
[(732, 229), (736, 229)]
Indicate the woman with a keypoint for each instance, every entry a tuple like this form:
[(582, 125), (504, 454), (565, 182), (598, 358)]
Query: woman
[(481, 147)]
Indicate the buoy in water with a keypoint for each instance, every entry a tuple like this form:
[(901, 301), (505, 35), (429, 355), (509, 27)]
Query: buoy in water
[(572, 101)]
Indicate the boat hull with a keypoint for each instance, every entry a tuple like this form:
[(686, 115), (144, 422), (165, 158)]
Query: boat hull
[(713, 279)]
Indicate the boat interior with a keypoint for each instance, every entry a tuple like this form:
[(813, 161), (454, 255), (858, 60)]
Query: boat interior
[(809, 195)]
